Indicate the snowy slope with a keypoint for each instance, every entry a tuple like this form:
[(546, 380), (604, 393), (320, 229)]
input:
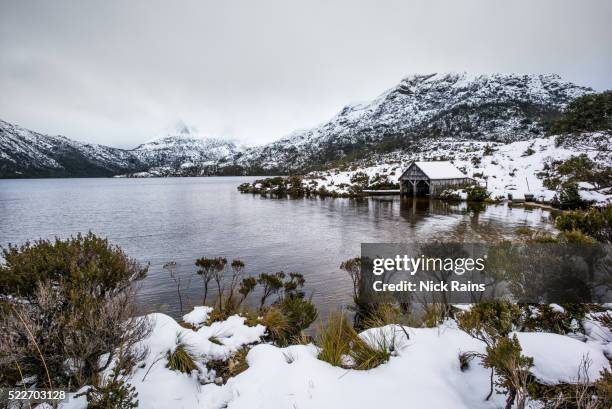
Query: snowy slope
[(24, 153), (514, 168), (423, 372), (497, 107), (486, 107), (184, 148)]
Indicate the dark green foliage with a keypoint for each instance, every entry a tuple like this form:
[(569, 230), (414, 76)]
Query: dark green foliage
[(528, 152), (80, 294), (300, 312), (587, 113), (271, 284), (360, 179), (115, 393), (595, 222), (569, 197), (247, 285), (488, 150), (207, 269), (476, 194), (507, 360), (489, 322), (84, 263), (578, 169), (544, 318)]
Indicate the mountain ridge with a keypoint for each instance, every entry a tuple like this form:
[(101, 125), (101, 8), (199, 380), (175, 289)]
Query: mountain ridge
[(495, 107)]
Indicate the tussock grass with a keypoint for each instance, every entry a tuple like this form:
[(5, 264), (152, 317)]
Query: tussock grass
[(381, 315), (335, 338), (368, 356), (182, 359), (276, 322)]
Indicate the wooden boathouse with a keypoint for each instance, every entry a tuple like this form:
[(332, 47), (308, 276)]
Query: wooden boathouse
[(431, 178)]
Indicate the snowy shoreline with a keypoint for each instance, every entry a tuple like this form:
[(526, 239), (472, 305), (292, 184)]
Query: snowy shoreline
[(424, 371)]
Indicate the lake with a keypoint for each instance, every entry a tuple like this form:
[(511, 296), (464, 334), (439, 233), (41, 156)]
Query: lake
[(181, 219)]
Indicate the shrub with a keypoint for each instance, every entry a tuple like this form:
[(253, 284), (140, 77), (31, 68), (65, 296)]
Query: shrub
[(115, 393), (506, 359), (81, 264), (595, 222), (476, 194), (587, 113), (569, 197), (488, 150), (528, 152), (299, 312), (361, 179), (71, 301), (182, 359)]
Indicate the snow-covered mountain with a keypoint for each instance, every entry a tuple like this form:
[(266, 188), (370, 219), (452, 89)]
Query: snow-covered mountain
[(499, 107), (183, 148), (486, 107), (24, 153)]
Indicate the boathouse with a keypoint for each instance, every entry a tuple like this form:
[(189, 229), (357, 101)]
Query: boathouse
[(431, 178)]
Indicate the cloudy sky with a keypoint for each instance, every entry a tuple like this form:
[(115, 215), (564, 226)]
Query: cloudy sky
[(121, 72)]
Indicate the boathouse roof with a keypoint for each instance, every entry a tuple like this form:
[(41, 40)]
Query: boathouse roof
[(438, 170)]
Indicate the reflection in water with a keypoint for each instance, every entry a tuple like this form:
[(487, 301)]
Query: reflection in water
[(181, 219)]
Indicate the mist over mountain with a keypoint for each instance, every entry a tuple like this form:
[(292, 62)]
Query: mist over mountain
[(498, 107)]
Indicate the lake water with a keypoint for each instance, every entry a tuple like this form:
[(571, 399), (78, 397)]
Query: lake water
[(181, 219)]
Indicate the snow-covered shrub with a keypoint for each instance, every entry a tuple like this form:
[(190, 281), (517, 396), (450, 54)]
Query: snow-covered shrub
[(80, 291), (114, 392), (182, 359)]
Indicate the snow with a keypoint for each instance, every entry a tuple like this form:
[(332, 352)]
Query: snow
[(423, 372), (557, 357), (198, 316), (506, 170), (440, 170)]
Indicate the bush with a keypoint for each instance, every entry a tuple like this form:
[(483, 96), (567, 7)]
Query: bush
[(299, 312), (182, 359), (70, 301), (82, 264), (361, 179), (115, 393), (477, 194), (506, 359), (595, 222), (587, 113), (569, 197)]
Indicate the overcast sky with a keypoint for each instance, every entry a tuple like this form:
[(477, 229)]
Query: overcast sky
[(121, 72)]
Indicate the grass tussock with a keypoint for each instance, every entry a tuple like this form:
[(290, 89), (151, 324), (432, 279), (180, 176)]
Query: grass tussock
[(368, 355), (341, 345), (276, 322), (335, 338), (381, 315), (182, 359)]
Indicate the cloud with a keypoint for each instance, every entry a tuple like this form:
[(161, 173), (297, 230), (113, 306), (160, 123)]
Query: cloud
[(118, 72)]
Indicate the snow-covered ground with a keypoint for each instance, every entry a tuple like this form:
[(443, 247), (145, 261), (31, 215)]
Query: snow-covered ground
[(423, 373), (502, 168)]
